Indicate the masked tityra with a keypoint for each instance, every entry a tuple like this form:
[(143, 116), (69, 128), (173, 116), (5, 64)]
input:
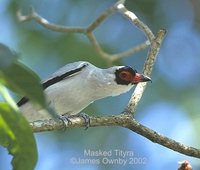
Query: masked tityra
[(76, 85)]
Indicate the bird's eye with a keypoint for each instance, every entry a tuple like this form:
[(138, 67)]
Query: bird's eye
[(125, 75)]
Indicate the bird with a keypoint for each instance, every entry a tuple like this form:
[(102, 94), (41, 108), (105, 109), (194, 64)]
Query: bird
[(76, 85)]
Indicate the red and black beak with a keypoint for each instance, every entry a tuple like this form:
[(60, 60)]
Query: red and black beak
[(140, 78)]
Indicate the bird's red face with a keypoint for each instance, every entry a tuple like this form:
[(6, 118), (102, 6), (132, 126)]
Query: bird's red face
[(127, 75)]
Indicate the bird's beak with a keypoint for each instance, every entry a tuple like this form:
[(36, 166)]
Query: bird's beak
[(140, 78)]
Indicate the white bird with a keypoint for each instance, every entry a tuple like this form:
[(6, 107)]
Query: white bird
[(76, 85)]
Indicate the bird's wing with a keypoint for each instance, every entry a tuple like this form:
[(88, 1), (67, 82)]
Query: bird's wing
[(64, 72)]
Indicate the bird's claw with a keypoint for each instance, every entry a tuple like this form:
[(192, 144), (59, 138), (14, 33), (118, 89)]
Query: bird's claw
[(86, 119), (65, 119)]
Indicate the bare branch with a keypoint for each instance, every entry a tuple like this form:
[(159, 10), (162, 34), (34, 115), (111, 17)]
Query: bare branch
[(42, 21), (100, 19), (97, 47), (148, 67), (130, 15), (114, 57), (131, 51), (88, 30), (122, 120)]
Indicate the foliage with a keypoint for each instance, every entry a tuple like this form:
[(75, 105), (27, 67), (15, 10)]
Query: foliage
[(15, 132)]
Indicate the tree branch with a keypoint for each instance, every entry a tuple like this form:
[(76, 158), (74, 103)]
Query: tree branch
[(135, 20), (122, 120), (88, 31), (148, 67), (101, 18), (42, 21)]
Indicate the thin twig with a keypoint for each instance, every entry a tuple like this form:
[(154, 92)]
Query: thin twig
[(135, 20), (42, 21), (97, 47), (148, 67), (100, 19), (114, 57), (131, 51)]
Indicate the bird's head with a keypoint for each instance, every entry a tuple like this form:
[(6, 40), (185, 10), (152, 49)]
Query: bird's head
[(126, 75), (117, 80)]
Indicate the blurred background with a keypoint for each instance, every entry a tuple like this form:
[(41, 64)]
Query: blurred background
[(170, 105)]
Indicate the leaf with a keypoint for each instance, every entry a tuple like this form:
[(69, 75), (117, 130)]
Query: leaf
[(16, 135), (7, 57), (24, 81)]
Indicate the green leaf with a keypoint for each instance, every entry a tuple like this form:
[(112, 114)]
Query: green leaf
[(7, 57), (16, 135), (24, 81)]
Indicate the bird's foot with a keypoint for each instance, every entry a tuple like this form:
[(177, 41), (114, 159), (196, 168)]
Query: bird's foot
[(65, 119), (86, 119)]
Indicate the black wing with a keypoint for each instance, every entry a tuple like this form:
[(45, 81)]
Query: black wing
[(22, 101), (59, 77)]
